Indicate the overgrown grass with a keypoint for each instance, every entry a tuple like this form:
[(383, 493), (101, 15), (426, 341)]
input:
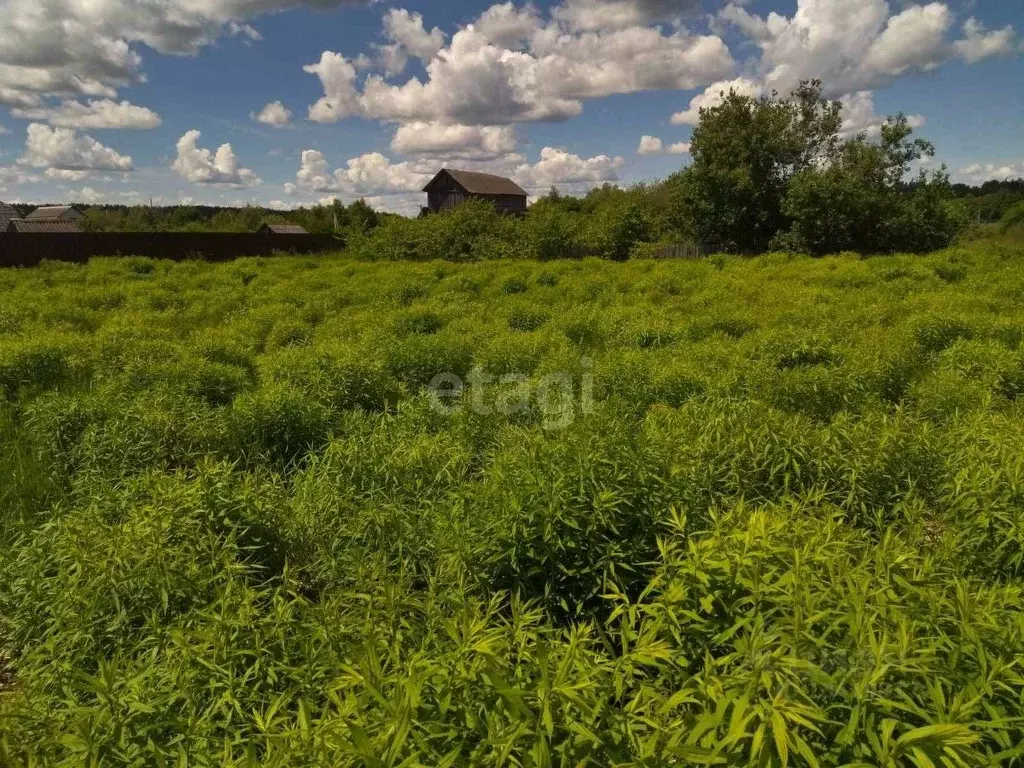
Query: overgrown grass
[(777, 518)]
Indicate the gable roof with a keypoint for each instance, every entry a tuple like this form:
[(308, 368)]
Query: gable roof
[(479, 183), (44, 225), (284, 228), (51, 212)]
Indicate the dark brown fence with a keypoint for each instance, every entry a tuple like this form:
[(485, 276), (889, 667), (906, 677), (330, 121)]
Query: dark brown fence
[(27, 250)]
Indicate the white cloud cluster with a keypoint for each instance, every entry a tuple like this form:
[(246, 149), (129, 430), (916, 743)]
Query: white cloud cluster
[(620, 14), (512, 67), (855, 45), (12, 176), (859, 116), (68, 155), (408, 38), (713, 96), (369, 174), (74, 48), (201, 166), (375, 175), (652, 145), (979, 173), (977, 44), (508, 25), (87, 195), (274, 114), (559, 167), (456, 142), (341, 95), (244, 30), (95, 114)]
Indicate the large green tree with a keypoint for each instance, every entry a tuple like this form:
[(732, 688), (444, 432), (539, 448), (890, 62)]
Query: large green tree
[(745, 150), (859, 200)]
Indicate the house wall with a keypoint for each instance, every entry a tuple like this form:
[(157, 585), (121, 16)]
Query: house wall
[(448, 198), (445, 199), (510, 203)]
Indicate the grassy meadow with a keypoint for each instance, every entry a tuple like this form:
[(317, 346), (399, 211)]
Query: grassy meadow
[(738, 512)]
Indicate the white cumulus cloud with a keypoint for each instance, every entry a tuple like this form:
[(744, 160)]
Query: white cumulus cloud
[(650, 145), (513, 67), (87, 195), (979, 173), (408, 38), (508, 25), (713, 96), (456, 142), (63, 149), (859, 116), (558, 166), (366, 175), (851, 45), (341, 94), (94, 114), (274, 114), (618, 14), (977, 44), (201, 166), (71, 48)]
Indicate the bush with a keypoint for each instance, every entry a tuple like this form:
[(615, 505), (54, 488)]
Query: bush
[(1014, 217), (417, 360), (723, 501), (278, 423), (34, 366)]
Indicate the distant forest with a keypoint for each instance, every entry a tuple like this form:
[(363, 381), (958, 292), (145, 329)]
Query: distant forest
[(318, 219), (987, 204)]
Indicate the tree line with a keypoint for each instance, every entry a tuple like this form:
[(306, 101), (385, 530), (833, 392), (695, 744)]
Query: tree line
[(768, 173), (318, 219)]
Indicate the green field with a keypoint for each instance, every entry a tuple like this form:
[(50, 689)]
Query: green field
[(736, 512)]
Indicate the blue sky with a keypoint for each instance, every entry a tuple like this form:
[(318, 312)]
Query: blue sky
[(127, 100)]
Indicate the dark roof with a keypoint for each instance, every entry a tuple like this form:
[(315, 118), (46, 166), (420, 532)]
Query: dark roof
[(51, 225), (6, 214), (480, 183), (286, 228), (54, 212)]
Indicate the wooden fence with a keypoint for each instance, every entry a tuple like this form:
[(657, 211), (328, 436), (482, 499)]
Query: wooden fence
[(29, 249), (677, 251)]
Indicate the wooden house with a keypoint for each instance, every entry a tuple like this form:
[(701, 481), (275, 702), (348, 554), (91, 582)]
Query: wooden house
[(450, 188)]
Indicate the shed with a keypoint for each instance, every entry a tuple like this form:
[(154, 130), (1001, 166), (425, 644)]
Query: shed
[(451, 187), (25, 226), (284, 228), (6, 214), (56, 213)]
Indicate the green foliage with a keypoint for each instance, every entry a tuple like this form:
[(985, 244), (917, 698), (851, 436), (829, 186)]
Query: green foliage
[(773, 173), (857, 202), (745, 151), (752, 512), (355, 220), (1014, 217)]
